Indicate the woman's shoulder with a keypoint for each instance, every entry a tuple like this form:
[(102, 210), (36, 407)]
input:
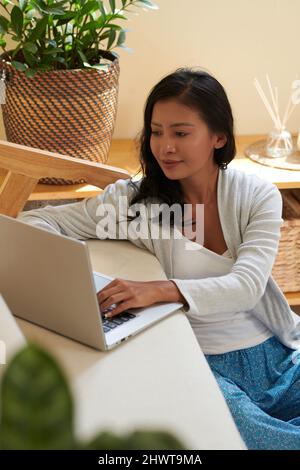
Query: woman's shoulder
[(250, 189), (243, 183)]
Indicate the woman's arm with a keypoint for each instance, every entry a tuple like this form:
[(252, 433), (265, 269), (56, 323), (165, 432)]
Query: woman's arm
[(241, 289), (79, 220)]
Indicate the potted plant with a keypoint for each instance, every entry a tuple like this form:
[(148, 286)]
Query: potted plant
[(61, 77), (37, 411)]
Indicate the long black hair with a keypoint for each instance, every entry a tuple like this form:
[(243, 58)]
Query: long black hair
[(198, 90)]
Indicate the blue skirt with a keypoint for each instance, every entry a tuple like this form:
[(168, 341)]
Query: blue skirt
[(261, 386)]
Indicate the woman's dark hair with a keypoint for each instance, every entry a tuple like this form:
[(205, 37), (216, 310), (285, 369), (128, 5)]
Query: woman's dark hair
[(202, 92)]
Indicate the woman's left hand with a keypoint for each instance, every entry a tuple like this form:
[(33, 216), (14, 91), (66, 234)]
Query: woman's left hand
[(133, 294)]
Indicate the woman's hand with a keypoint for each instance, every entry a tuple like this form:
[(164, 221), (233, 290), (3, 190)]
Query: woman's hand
[(133, 294)]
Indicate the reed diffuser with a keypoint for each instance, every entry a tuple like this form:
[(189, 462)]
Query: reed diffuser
[(279, 141)]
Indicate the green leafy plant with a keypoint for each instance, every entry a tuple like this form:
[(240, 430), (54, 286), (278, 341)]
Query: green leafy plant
[(37, 411), (66, 34)]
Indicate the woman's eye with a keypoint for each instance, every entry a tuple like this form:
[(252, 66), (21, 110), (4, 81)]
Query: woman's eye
[(178, 134), (181, 134), (156, 133)]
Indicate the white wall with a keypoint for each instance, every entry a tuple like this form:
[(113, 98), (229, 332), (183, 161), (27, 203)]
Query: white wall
[(235, 40)]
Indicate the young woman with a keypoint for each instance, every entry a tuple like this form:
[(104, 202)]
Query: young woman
[(240, 317)]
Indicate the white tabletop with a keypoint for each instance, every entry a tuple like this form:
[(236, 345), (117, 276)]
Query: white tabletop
[(158, 379)]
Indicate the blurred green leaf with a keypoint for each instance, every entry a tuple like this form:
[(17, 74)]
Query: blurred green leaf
[(138, 440), (102, 10), (17, 21), (111, 38), (53, 51), (30, 47), (4, 24), (84, 59), (105, 35), (62, 60), (112, 5), (19, 65), (90, 6), (39, 30), (115, 16), (55, 9), (155, 439), (121, 38), (106, 440), (116, 27), (88, 26), (36, 404), (30, 58), (33, 71), (64, 19)]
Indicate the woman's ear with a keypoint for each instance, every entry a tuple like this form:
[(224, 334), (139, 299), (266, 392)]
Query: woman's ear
[(221, 141)]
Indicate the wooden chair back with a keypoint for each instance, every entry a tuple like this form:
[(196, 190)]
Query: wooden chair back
[(26, 165)]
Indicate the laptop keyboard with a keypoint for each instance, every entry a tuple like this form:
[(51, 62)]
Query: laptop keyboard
[(111, 323)]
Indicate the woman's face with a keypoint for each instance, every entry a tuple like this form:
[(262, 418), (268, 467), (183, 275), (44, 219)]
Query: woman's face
[(180, 140)]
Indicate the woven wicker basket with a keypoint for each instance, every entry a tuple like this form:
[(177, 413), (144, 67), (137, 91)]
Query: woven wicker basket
[(71, 112), (286, 269)]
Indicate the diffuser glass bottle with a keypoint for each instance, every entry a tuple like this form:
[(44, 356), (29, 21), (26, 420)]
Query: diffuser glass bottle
[(279, 143)]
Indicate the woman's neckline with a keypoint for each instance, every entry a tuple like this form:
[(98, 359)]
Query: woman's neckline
[(197, 246)]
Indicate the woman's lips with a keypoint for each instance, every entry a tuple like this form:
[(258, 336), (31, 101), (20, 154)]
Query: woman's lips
[(170, 164)]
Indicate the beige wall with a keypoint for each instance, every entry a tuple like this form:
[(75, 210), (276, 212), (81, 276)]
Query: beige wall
[(235, 40)]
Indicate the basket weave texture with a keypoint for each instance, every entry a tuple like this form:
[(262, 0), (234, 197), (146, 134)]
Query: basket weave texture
[(71, 112), (286, 270)]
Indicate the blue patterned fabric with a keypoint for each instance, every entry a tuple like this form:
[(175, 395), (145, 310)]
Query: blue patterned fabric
[(261, 386)]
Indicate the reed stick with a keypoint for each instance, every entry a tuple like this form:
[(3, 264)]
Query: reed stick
[(272, 106), (265, 101)]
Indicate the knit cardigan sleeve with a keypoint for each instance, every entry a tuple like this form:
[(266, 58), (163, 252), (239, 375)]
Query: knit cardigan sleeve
[(83, 220), (77, 220), (241, 289)]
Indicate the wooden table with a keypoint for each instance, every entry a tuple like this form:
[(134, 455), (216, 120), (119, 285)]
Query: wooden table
[(157, 379)]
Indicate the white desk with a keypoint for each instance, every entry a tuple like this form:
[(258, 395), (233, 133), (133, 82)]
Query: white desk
[(159, 378)]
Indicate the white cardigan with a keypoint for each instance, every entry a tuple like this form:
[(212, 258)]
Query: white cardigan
[(250, 214)]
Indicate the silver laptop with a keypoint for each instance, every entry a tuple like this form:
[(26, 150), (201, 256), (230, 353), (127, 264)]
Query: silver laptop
[(47, 279)]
